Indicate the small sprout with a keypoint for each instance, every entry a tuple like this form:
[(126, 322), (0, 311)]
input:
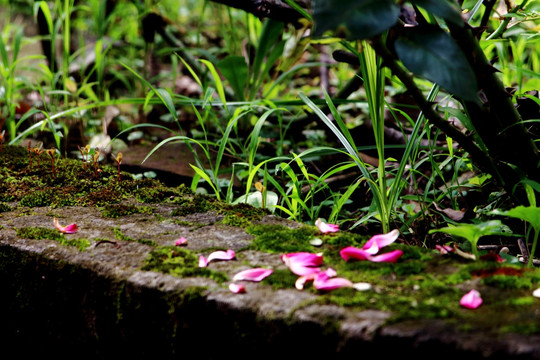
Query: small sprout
[(29, 153), (51, 153), (118, 160), (38, 152), (97, 170), (84, 153)]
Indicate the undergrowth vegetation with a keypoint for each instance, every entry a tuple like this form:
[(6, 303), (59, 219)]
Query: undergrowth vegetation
[(421, 117)]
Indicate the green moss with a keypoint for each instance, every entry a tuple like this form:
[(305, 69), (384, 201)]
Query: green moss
[(234, 220), (281, 279), (4, 207), (279, 238), (41, 233), (120, 236), (179, 262), (508, 282), (192, 205)]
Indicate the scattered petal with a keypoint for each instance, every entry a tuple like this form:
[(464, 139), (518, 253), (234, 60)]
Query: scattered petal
[(471, 300), (377, 242), (237, 288), (256, 274), (316, 242), (354, 253), (325, 227), (70, 229), (536, 293), (222, 255), (181, 241), (390, 257), (303, 263), (302, 280), (325, 281), (362, 286), (444, 249), (203, 262)]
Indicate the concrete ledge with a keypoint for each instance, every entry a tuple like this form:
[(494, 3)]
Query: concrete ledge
[(57, 301)]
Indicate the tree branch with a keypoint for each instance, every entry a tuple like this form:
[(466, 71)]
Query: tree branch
[(273, 9)]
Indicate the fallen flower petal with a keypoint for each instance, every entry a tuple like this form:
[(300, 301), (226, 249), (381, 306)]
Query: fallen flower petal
[(536, 293), (354, 253), (377, 242), (325, 227), (181, 241), (237, 288), (202, 261), (304, 258), (216, 255), (70, 229), (390, 257), (303, 263), (471, 300), (444, 249), (362, 286), (256, 274), (325, 281), (332, 284), (221, 255), (302, 280)]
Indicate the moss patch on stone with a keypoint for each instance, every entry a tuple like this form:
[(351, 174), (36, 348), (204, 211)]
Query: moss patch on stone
[(179, 262), (118, 210), (41, 233), (120, 236)]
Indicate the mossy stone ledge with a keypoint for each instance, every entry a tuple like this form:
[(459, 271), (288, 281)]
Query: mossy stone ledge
[(120, 288)]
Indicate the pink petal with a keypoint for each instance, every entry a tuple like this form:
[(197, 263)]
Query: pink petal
[(377, 242), (70, 229), (326, 281), (325, 227), (471, 300), (302, 280), (203, 262), (237, 288), (444, 249), (181, 241), (304, 258), (390, 257), (221, 255), (303, 263), (354, 253), (332, 283), (256, 274)]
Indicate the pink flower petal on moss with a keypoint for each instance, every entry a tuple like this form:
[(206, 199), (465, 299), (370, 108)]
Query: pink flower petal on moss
[(471, 300), (304, 258), (351, 252), (390, 257), (256, 274), (303, 263), (70, 229), (325, 227), (203, 262), (237, 288), (181, 241), (444, 249), (221, 255), (377, 242), (332, 284), (302, 280)]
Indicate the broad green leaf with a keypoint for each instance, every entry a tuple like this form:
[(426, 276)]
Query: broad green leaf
[(430, 52), (235, 70), (361, 19), (448, 10), (531, 214)]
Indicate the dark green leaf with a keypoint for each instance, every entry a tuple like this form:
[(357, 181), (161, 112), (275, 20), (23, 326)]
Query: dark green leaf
[(235, 70), (430, 52), (361, 19), (448, 10)]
